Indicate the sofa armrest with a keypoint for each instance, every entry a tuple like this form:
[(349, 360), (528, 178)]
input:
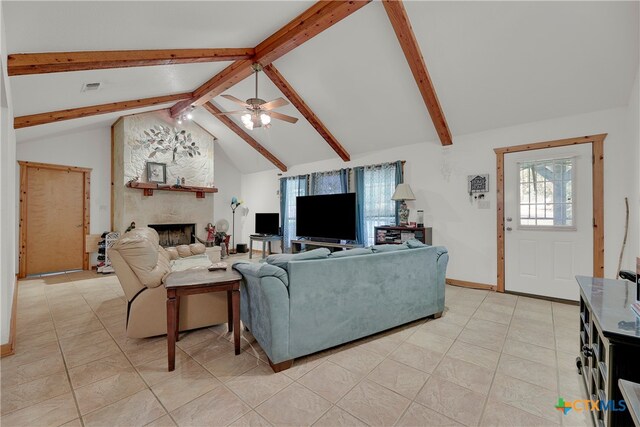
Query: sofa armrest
[(264, 307), (442, 259), (261, 270)]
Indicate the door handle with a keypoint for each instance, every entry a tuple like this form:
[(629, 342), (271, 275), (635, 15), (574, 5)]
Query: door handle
[(509, 228), (509, 219)]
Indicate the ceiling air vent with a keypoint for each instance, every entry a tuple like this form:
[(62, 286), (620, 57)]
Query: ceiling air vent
[(88, 87)]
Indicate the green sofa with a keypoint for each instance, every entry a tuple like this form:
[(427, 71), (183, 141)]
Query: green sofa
[(295, 305)]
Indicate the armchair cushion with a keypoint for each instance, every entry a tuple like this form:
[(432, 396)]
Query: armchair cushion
[(139, 248)]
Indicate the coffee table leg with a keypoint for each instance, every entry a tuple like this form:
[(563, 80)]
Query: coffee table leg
[(235, 296), (230, 310), (171, 329)]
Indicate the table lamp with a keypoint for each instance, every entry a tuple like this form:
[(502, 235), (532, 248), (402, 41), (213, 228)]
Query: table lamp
[(403, 192)]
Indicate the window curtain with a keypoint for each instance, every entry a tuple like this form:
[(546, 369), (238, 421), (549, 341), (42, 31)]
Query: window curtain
[(358, 179), (399, 180), (374, 188), (333, 182), (290, 188)]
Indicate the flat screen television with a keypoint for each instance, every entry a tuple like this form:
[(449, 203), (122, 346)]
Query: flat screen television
[(330, 216), (268, 223)]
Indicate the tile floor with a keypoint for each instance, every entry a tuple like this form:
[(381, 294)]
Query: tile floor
[(492, 359)]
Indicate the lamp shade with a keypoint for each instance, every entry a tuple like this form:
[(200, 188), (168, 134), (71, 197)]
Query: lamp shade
[(403, 192)]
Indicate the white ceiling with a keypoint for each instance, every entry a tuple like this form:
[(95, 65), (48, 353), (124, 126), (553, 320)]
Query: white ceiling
[(493, 64)]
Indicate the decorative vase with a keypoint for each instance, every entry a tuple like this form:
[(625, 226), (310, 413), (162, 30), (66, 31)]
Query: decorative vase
[(403, 213)]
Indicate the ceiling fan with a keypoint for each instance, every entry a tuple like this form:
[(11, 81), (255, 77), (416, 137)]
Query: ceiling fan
[(258, 112)]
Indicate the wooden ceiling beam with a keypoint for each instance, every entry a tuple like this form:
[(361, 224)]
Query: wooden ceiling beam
[(215, 111), (313, 21), (402, 27), (285, 87), (75, 113), (57, 62)]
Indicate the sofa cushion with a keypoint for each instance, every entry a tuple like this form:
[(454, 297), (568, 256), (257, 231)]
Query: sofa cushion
[(140, 250), (282, 260), (351, 252), (389, 248), (319, 253), (163, 253), (183, 250), (172, 252), (414, 244), (197, 248), (279, 260)]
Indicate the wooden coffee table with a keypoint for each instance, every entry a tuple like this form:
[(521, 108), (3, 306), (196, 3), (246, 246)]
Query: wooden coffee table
[(199, 281)]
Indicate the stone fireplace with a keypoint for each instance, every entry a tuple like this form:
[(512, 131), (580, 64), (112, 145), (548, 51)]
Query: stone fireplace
[(130, 157), (175, 234)]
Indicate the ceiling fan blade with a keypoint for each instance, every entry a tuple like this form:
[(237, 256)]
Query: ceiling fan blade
[(231, 112), (281, 116), (234, 99), (278, 102)]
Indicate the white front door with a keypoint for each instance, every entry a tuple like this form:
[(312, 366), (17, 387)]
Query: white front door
[(548, 203)]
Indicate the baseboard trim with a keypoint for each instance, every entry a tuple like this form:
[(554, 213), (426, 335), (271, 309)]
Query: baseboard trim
[(9, 348), (542, 297), (472, 285)]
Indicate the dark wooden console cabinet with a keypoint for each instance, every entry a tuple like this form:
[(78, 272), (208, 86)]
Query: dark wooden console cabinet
[(609, 344), (390, 235)]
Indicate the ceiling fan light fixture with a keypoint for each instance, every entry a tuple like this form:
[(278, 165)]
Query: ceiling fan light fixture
[(265, 118)]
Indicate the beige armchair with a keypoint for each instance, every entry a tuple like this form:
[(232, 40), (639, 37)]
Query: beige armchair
[(141, 264)]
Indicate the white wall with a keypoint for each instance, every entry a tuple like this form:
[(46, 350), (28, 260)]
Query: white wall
[(634, 202), (438, 176), (8, 200), (87, 149), (260, 193), (227, 178)]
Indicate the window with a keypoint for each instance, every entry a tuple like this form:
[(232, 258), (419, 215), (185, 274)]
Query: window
[(290, 188), (334, 182), (546, 195), (378, 209)]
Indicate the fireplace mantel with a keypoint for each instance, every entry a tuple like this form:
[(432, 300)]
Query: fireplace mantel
[(148, 188)]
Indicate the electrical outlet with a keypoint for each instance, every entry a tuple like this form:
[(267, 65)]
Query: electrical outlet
[(484, 204)]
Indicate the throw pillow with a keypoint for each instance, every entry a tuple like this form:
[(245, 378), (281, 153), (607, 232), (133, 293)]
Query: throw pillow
[(414, 244), (351, 252), (319, 253), (282, 260), (279, 260), (389, 248)]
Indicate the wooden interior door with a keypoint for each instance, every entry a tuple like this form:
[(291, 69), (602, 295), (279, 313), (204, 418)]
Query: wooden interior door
[(54, 218)]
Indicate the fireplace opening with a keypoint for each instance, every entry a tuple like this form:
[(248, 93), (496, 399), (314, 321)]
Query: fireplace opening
[(175, 234)]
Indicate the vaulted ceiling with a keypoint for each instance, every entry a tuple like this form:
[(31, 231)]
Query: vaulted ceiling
[(493, 64)]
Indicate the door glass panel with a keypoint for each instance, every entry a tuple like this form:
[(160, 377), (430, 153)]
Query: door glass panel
[(546, 196)]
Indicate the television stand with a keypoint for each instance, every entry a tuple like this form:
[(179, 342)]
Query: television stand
[(299, 245), (265, 239)]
